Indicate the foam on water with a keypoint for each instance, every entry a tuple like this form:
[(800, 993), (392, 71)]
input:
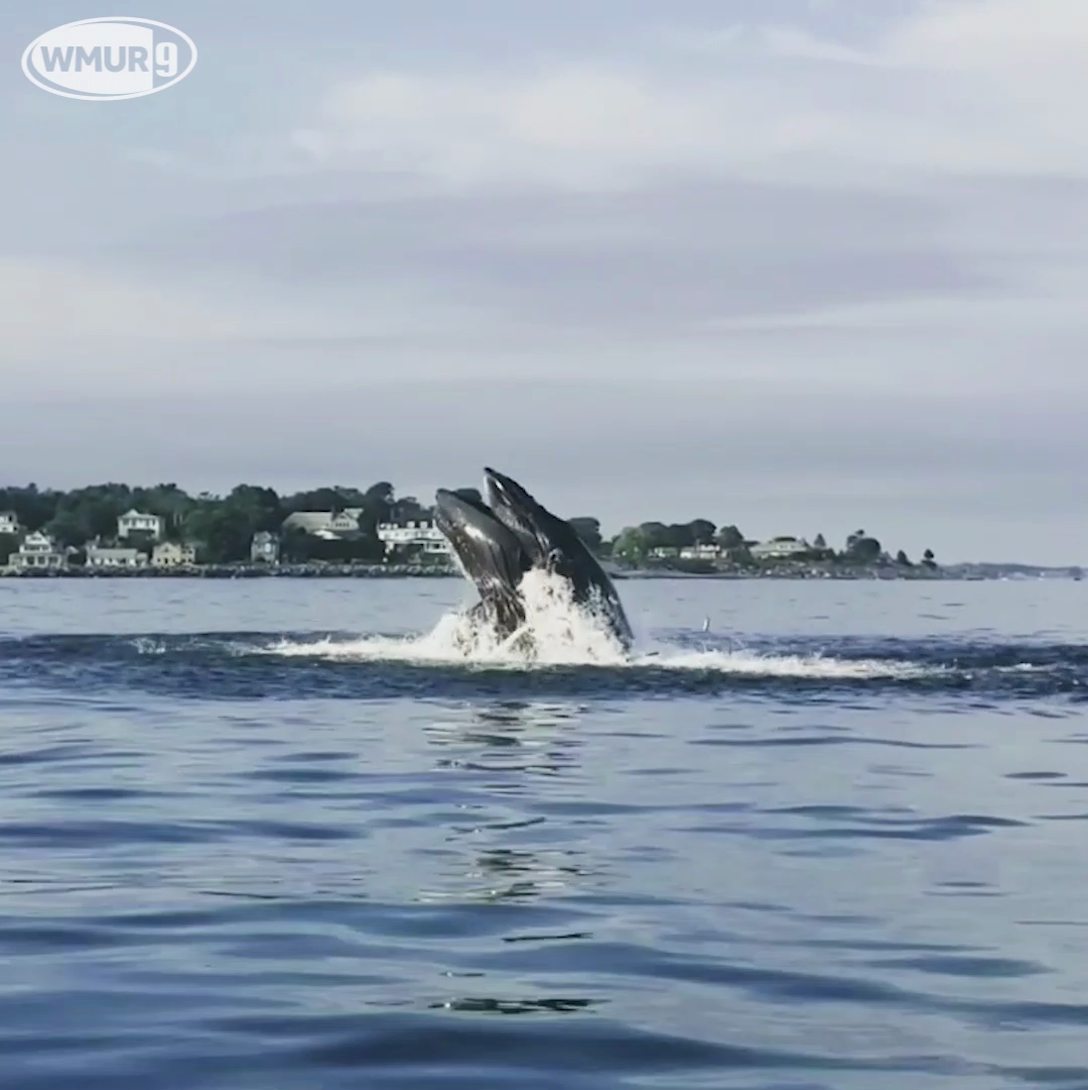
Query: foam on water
[(560, 632), (557, 631)]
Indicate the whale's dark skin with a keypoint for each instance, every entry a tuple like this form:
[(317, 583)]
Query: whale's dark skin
[(499, 540)]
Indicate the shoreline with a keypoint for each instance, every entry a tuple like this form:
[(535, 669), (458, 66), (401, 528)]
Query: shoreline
[(886, 573)]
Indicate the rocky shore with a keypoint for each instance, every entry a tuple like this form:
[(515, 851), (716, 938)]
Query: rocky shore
[(433, 571), (242, 571)]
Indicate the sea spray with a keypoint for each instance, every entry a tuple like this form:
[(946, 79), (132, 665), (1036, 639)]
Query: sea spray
[(557, 631), (561, 632)]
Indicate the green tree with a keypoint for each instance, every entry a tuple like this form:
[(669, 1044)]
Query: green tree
[(34, 508), (67, 528), (9, 544), (629, 545), (863, 549), (678, 535), (654, 535), (378, 501), (258, 505), (345, 549), (223, 532), (317, 499), (852, 539), (701, 531), (729, 537), (92, 512), (409, 509), (589, 530), (166, 500), (295, 546)]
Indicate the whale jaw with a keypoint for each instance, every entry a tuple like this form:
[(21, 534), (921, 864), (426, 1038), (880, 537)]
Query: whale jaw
[(499, 540)]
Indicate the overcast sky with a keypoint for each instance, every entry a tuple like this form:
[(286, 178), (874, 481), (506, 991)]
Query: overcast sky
[(799, 265)]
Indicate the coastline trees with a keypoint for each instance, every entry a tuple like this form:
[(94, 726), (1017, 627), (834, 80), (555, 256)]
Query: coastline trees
[(223, 526)]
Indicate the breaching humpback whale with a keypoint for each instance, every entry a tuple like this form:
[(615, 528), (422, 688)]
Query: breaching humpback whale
[(499, 540)]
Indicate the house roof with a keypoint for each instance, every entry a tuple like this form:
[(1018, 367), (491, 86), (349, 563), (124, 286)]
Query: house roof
[(315, 521), (308, 520), (133, 513)]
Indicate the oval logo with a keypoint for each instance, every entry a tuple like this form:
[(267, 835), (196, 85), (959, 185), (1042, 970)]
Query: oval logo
[(109, 58)]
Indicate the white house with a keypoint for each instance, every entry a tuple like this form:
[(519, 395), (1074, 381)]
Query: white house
[(264, 548), (100, 556), (700, 552), (326, 524), (422, 535), (136, 522), (37, 553), (781, 548), (173, 554), (9, 523)]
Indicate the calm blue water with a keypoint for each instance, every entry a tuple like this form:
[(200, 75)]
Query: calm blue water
[(249, 841)]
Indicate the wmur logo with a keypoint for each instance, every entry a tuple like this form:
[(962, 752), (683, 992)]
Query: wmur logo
[(109, 58)]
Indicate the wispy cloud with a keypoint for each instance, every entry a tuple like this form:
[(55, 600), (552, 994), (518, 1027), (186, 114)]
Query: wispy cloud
[(969, 87)]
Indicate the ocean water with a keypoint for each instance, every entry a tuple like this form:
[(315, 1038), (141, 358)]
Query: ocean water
[(279, 834)]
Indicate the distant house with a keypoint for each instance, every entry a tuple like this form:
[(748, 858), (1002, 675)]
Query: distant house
[(38, 552), (422, 535), (326, 524), (664, 552), (9, 523), (700, 552), (264, 548), (781, 548), (103, 556), (136, 522), (173, 554)]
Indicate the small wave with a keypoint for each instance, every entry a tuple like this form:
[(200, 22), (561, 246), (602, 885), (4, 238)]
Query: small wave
[(145, 645), (801, 666)]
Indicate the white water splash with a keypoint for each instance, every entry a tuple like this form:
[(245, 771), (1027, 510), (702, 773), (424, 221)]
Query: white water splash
[(559, 632), (760, 664)]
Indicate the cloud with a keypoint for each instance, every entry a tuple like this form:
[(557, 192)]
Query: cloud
[(655, 260), (969, 87), (63, 299), (758, 173), (993, 36), (102, 327), (580, 127)]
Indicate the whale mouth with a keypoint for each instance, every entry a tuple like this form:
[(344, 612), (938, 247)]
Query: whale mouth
[(489, 552), (499, 539), (519, 513)]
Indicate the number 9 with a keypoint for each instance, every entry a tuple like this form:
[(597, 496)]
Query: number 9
[(166, 59)]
